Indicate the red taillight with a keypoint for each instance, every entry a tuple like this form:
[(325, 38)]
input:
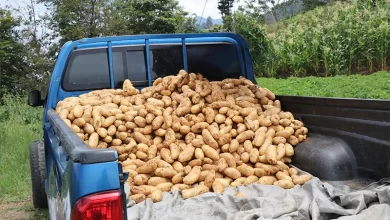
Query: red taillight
[(99, 206)]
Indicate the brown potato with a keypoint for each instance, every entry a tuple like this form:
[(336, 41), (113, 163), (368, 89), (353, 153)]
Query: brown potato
[(301, 179), (285, 184), (267, 180), (197, 190), (210, 152), (232, 173), (193, 176)]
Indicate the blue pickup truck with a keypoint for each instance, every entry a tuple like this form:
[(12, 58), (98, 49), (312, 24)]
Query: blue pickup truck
[(347, 136)]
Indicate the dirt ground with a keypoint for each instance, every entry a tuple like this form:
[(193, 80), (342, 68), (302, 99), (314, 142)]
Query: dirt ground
[(21, 210)]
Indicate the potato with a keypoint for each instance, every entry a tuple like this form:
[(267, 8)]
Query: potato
[(278, 140), (293, 171), (199, 154), (154, 181), (140, 138), (141, 179), (267, 180), (209, 179), (138, 190), (178, 178), (259, 172), (232, 173), (166, 155), (157, 122), (239, 181), (193, 176), (244, 156), (93, 140), (289, 150), (186, 154), (195, 162), (293, 140), (254, 155), (218, 187), (137, 198), (165, 187), (147, 168), (224, 139), (246, 135), (208, 139), (234, 144), (197, 190), (156, 195), (245, 170), (285, 184), (214, 130), (180, 187), (177, 166), (199, 127), (250, 180), (271, 154), (152, 152), (282, 176), (301, 179), (165, 172), (210, 152), (229, 159)]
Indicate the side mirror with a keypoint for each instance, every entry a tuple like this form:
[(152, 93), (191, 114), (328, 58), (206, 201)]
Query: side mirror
[(34, 98)]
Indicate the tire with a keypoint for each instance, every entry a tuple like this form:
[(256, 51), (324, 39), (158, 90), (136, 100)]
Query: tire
[(38, 173)]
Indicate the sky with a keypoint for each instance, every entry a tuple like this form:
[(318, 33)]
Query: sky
[(192, 6)]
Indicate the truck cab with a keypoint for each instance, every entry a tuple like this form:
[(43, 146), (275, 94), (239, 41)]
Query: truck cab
[(347, 138)]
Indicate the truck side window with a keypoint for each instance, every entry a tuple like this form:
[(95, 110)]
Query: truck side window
[(129, 64), (214, 61), (165, 60), (87, 70)]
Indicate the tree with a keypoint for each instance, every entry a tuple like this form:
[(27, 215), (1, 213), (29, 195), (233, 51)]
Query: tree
[(209, 22), (146, 17), (189, 25), (12, 62), (37, 44), (75, 19), (225, 7)]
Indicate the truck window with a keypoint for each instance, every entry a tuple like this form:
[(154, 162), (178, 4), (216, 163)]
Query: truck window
[(129, 63), (165, 60), (87, 70), (214, 61)]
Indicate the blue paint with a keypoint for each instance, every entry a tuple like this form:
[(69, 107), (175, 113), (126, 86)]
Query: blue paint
[(148, 66), (110, 64), (184, 50)]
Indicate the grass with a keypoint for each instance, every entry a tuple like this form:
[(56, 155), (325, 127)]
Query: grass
[(374, 86), (19, 125)]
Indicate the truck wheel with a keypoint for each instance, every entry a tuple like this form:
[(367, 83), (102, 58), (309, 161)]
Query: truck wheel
[(38, 173)]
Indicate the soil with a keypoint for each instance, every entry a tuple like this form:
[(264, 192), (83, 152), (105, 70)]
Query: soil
[(20, 210)]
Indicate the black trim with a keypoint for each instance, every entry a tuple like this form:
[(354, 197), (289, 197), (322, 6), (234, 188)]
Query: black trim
[(78, 151)]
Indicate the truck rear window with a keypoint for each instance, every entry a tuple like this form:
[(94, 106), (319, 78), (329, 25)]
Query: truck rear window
[(88, 69)]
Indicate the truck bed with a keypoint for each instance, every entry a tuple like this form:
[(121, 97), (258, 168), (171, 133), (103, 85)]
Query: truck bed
[(348, 141)]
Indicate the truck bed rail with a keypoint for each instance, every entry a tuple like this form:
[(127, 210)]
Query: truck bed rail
[(78, 151)]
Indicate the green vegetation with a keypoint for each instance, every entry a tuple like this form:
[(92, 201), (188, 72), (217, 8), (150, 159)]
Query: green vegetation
[(337, 39), (374, 86), (19, 124)]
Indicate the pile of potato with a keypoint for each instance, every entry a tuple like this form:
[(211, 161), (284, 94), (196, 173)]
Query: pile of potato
[(189, 134)]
